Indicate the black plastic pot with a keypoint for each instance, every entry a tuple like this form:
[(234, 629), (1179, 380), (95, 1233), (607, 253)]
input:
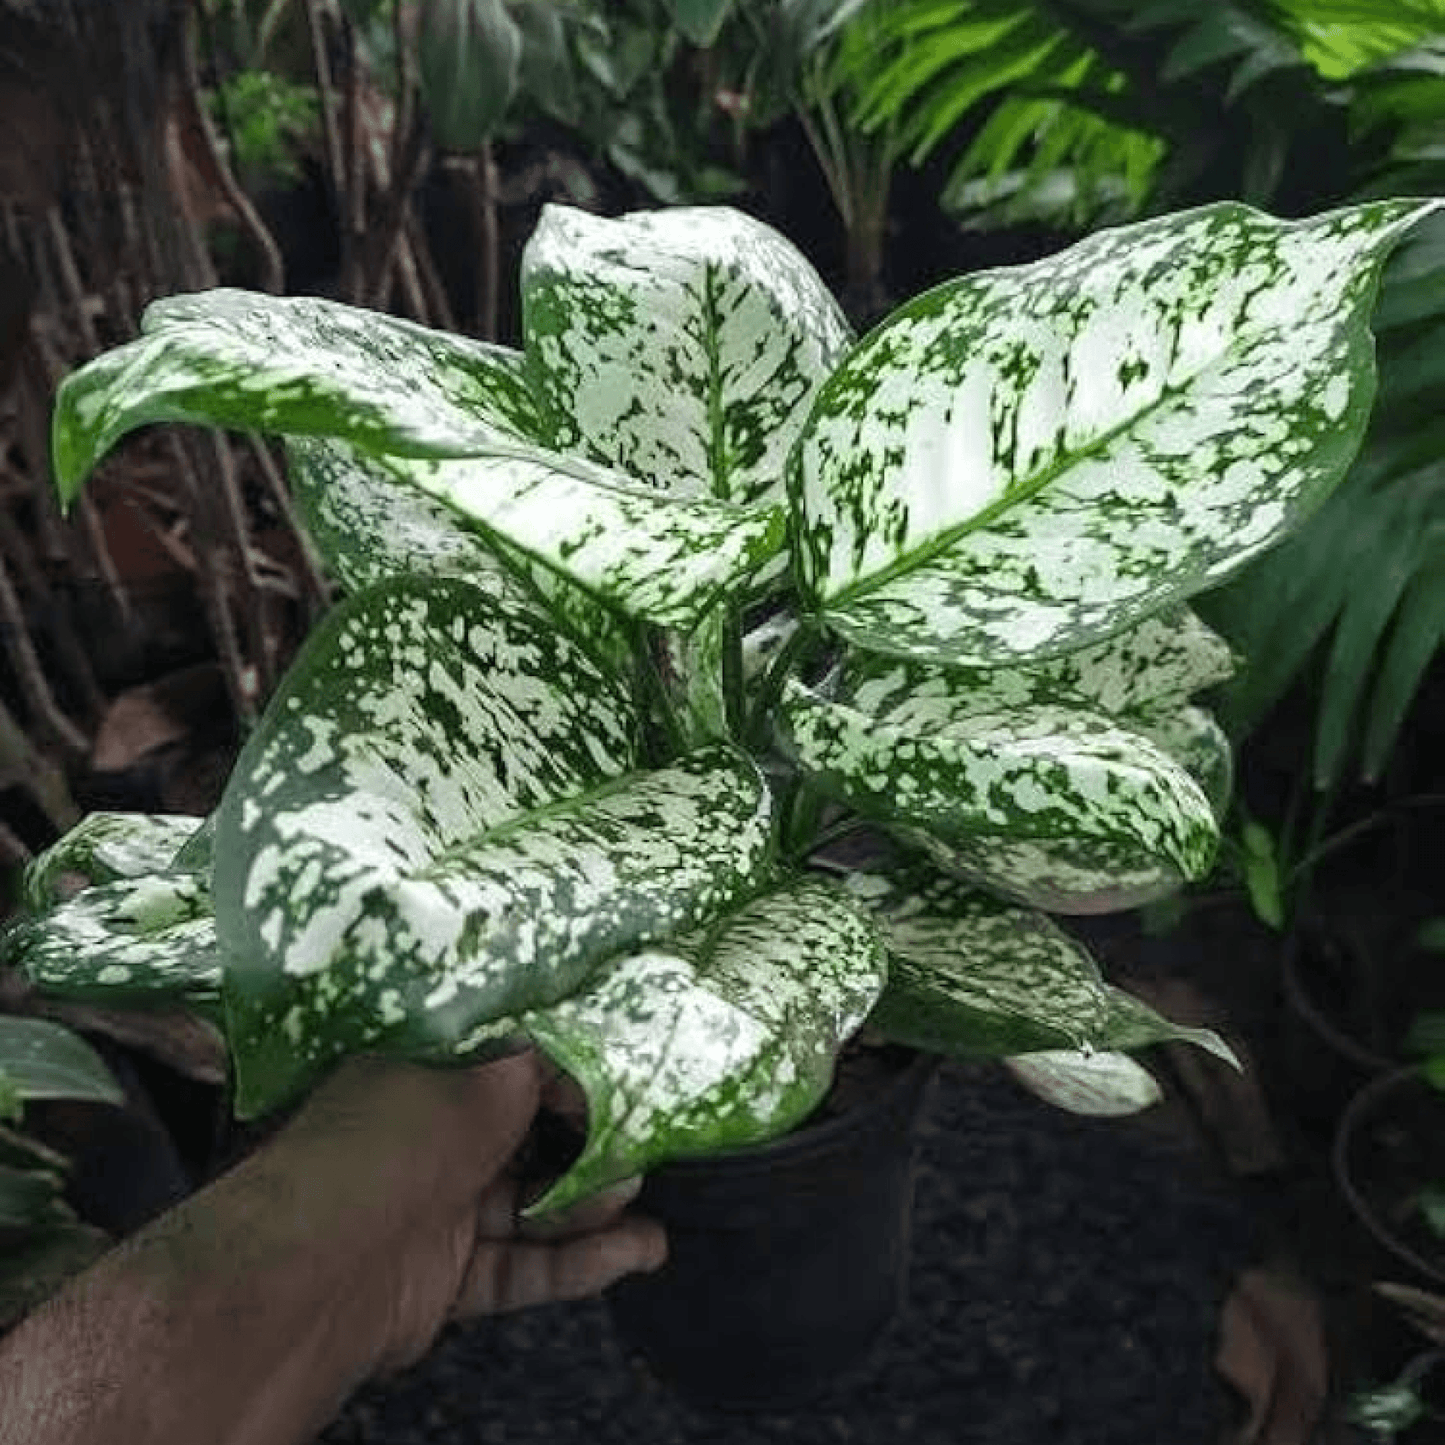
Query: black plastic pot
[(786, 1262)]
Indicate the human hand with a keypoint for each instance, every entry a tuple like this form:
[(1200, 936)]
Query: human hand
[(419, 1162)]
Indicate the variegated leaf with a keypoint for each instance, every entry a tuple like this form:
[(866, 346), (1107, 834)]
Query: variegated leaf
[(1153, 666), (149, 940), (1193, 738), (436, 826), (103, 847), (1048, 804), (664, 559), (693, 669), (1101, 1086), (296, 366), (369, 530), (721, 1040), (1139, 678), (681, 346), (1025, 460), (973, 976)]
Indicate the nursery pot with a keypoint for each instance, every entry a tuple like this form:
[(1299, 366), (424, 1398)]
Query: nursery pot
[(1390, 1143), (787, 1261)]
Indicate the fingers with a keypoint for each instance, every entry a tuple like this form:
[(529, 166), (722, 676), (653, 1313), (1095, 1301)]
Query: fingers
[(519, 1275)]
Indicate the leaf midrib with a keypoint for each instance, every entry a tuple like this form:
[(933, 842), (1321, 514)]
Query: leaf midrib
[(1016, 494)]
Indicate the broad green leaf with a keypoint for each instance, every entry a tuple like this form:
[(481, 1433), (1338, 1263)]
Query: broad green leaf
[(469, 54), (134, 941), (700, 20), (12, 1102), (1022, 461), (663, 559), (971, 976), (681, 346), (724, 1039), (20, 1151), (44, 1060), (30, 1200), (436, 826), (103, 847), (1058, 806), (295, 366), (369, 530), (1104, 1086)]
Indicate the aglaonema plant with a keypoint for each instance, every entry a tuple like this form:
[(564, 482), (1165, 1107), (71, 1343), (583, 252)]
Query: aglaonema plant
[(643, 617)]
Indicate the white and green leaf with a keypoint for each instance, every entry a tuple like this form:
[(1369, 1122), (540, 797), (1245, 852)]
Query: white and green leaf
[(972, 976), (682, 347), (719, 1040), (663, 559), (1140, 678), (369, 530), (1023, 461), (133, 941), (1052, 805), (438, 825), (43, 1060), (1100, 1085), (103, 847), (294, 366)]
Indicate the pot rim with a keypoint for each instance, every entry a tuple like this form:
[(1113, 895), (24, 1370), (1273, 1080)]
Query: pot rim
[(1350, 1121)]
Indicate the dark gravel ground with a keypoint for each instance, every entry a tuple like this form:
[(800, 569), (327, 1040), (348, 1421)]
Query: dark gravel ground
[(1067, 1277)]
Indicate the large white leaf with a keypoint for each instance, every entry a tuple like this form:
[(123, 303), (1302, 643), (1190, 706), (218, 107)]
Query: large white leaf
[(664, 559), (295, 366), (716, 1041), (1059, 806), (369, 530), (681, 346), (1025, 460), (439, 824)]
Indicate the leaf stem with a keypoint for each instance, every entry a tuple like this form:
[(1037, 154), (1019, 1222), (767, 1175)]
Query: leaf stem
[(759, 720)]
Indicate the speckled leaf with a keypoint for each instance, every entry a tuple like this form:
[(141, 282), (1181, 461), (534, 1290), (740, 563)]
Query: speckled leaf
[(1100, 1086), (370, 530), (144, 941), (972, 976), (436, 826), (693, 672), (298, 366), (1153, 666), (1057, 806), (724, 1039), (681, 346), (1193, 737), (103, 847), (43, 1060), (1140, 678), (663, 559), (1024, 460)]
